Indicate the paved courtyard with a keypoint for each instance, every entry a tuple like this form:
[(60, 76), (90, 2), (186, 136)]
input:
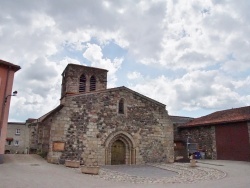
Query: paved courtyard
[(160, 173), (24, 171)]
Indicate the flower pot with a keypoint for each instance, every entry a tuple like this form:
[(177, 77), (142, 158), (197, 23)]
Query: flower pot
[(72, 164), (94, 170)]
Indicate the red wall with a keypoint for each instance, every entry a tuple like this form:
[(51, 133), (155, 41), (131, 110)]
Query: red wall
[(6, 77), (232, 142)]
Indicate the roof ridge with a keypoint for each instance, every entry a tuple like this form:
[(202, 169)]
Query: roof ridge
[(224, 116), (121, 87)]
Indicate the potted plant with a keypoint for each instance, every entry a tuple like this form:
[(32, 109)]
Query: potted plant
[(93, 169), (72, 163)]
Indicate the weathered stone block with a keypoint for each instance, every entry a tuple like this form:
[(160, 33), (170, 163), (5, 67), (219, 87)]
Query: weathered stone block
[(94, 170), (72, 164)]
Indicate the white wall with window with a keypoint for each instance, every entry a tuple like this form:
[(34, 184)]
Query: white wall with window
[(17, 140), (18, 131), (16, 143)]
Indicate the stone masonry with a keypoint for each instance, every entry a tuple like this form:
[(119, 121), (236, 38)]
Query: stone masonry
[(88, 124), (204, 136)]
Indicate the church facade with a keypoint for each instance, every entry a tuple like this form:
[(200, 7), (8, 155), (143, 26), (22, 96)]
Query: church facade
[(100, 126)]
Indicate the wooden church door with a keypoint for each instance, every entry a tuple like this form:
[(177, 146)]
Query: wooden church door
[(118, 153)]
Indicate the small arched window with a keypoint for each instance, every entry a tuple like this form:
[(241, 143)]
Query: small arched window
[(92, 83), (82, 84), (121, 106)]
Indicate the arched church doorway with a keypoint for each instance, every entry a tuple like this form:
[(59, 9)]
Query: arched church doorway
[(118, 153), (120, 149)]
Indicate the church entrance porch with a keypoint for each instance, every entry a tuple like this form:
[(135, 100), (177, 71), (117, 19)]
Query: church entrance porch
[(120, 149)]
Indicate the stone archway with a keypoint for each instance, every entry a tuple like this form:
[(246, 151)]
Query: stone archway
[(120, 149)]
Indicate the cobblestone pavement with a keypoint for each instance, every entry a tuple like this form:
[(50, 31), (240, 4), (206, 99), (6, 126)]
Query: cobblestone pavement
[(180, 173), (147, 171)]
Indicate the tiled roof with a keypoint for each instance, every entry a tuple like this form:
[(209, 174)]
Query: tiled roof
[(45, 116), (180, 119), (85, 67), (16, 123), (13, 66), (221, 117), (118, 89), (30, 120)]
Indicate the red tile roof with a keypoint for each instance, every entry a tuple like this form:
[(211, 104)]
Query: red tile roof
[(221, 117)]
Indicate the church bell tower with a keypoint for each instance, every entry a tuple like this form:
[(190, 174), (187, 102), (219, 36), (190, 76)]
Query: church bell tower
[(79, 79)]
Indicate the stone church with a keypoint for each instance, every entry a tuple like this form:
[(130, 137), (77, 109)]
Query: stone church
[(100, 126)]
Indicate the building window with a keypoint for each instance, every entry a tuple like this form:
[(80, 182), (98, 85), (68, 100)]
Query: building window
[(8, 142), (121, 106), (82, 84), (16, 143), (92, 83), (17, 131)]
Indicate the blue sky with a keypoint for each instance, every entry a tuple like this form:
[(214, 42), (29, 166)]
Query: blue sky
[(192, 56)]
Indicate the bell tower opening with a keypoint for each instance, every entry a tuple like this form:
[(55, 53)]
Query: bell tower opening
[(82, 84), (92, 83)]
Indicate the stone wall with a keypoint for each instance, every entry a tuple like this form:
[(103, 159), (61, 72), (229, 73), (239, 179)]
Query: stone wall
[(88, 122), (71, 76), (44, 135), (204, 136), (33, 141)]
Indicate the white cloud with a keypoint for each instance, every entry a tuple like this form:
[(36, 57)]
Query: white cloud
[(134, 75), (38, 85), (94, 54), (200, 34), (194, 90), (203, 44), (63, 63)]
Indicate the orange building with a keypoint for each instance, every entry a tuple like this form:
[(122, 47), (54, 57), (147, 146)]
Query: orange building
[(7, 71)]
